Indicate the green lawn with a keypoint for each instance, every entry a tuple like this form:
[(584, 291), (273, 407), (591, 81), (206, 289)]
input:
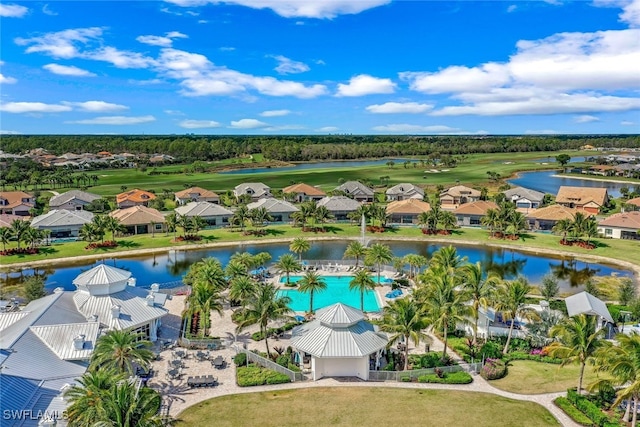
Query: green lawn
[(530, 377), (364, 406)]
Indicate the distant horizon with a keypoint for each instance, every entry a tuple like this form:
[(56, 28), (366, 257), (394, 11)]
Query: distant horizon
[(304, 67)]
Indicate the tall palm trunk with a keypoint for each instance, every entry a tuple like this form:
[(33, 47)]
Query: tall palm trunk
[(406, 352), (263, 329), (444, 334), (506, 346), (475, 327), (582, 365), (634, 420), (311, 302), (362, 300), (627, 412)]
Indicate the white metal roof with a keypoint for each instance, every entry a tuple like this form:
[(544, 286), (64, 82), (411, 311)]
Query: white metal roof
[(8, 319), (586, 303), (101, 275), (339, 315), (59, 338)]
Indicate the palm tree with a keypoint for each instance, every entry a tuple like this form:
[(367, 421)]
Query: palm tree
[(405, 320), (480, 289), (18, 228), (259, 216), (5, 236), (355, 250), (447, 258), (203, 299), (100, 223), (127, 405), (379, 254), (240, 216), (235, 269), (85, 398), (242, 288), (288, 264), (322, 215), (265, 306), (31, 236), (511, 301), (299, 245), (442, 301), (209, 271), (89, 232), (577, 341), (448, 221), (118, 350), (492, 221), (415, 262), (362, 282), (311, 282), (113, 226), (172, 223)]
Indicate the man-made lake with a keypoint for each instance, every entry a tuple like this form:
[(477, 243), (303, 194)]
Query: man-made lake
[(547, 183), (322, 165), (170, 267)]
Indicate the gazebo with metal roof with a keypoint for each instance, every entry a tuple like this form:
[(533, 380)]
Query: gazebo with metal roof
[(340, 342)]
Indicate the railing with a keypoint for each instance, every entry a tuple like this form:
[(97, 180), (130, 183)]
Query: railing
[(414, 374), (266, 363)]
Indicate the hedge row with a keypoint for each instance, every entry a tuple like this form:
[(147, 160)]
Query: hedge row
[(573, 412), (519, 355), (257, 336), (253, 375), (447, 378), (590, 409)]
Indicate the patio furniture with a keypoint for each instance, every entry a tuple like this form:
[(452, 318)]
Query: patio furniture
[(218, 362), (202, 355), (202, 381), (180, 353), (176, 363), (174, 373)]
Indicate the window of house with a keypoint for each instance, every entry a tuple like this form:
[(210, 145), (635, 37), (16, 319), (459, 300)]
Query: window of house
[(158, 226)]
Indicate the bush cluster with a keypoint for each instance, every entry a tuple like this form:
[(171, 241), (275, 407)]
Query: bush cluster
[(573, 413), (493, 369), (590, 409), (106, 244), (253, 375), (21, 251), (240, 359), (520, 355), (257, 336), (429, 360), (460, 377)]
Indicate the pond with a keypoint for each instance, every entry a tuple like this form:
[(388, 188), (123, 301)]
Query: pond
[(171, 266), (546, 182), (320, 165)]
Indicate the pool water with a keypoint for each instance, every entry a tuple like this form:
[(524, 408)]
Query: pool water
[(337, 291)]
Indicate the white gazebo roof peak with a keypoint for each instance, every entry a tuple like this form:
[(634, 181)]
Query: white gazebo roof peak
[(339, 316), (102, 280)]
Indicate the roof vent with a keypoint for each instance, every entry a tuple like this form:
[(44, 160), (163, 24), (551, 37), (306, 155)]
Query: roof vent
[(93, 318), (155, 287), (78, 342), (150, 300), (115, 312), (58, 290), (131, 281)]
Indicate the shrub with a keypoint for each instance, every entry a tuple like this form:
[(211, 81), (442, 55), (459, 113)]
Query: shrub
[(405, 379), (447, 378), (493, 369), (518, 355), (240, 359), (253, 375), (257, 336), (573, 413), (282, 360), (590, 409), (390, 367), (491, 350)]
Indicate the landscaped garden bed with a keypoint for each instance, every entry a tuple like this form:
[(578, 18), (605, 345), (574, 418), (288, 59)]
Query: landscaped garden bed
[(440, 377), (253, 375)]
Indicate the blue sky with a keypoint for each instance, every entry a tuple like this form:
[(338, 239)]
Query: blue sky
[(311, 67)]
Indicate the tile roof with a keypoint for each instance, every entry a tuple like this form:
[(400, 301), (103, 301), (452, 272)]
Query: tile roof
[(460, 190), (62, 218), (479, 207), (203, 209), (339, 204), (355, 188), (304, 188), (523, 193), (63, 198), (635, 201), (259, 189), (14, 198), (135, 196), (274, 205), (553, 213), (623, 220), (405, 189), (137, 215), (581, 195), (408, 206), (7, 219), (200, 192)]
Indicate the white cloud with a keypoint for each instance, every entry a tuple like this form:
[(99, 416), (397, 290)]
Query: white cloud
[(61, 44), (174, 112), (408, 128), (631, 13), (12, 10), (585, 119), (399, 108), (7, 80), (326, 9), (145, 82), (115, 120), (542, 132), (67, 70), (365, 84), (328, 129), (458, 79), (202, 21), (627, 123), (96, 106), (275, 113), (248, 124), (33, 107), (283, 127), (512, 8), (9, 132), (47, 11), (162, 41), (198, 124), (121, 58), (289, 66)]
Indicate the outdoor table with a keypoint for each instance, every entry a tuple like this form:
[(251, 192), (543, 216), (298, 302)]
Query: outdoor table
[(218, 362), (173, 373), (180, 353), (202, 381), (176, 363), (202, 355)]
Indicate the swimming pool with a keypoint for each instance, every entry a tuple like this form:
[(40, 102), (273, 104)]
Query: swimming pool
[(337, 291)]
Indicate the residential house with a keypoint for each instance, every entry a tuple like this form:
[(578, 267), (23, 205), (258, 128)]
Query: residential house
[(62, 223), (304, 192), (74, 200), (16, 203), (134, 198), (524, 198), (7, 219), (196, 194), (547, 217), (357, 191), (458, 195), (404, 192), (214, 215), (340, 206), (47, 346), (280, 210), (140, 220), (471, 214), (634, 202), (339, 342), (623, 225), (406, 211), (588, 199), (256, 190)]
